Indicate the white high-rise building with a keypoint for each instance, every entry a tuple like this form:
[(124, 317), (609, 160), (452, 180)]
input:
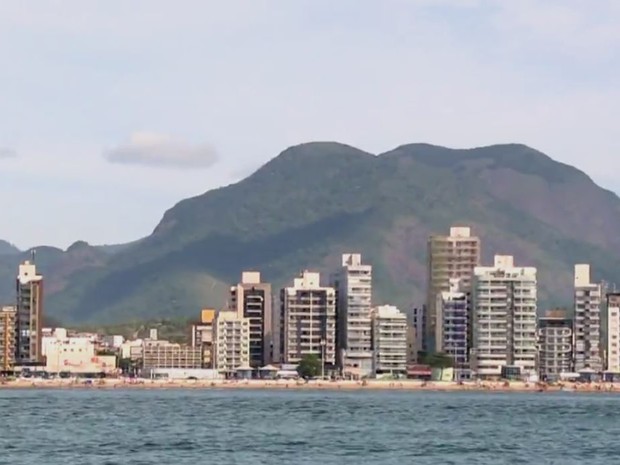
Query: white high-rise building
[(504, 300), (452, 328), (587, 321), (389, 334), (308, 320), (232, 342), (613, 332), (354, 339)]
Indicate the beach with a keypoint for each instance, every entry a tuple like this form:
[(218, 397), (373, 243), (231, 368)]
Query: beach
[(399, 385)]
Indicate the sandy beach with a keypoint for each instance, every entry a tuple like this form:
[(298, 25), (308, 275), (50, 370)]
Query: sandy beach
[(404, 385)]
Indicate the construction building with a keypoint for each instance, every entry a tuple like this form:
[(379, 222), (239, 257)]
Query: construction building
[(587, 321), (8, 321), (555, 344), (452, 330), (232, 342), (504, 336), (449, 257), (308, 320), (252, 299), (389, 337), (353, 313), (29, 314), (202, 333)]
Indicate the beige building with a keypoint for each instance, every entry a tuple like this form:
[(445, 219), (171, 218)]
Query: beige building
[(555, 344), (202, 335), (587, 321), (8, 321), (63, 353), (232, 342), (29, 314), (504, 302), (613, 332), (165, 354), (353, 309), (449, 257), (252, 299), (389, 337), (308, 320)]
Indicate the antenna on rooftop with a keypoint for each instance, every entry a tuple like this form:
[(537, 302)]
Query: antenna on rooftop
[(33, 253)]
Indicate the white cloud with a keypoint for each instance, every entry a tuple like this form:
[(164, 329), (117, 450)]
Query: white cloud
[(152, 149), (7, 153)]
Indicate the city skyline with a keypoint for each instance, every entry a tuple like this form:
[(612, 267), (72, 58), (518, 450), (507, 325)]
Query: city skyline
[(103, 111)]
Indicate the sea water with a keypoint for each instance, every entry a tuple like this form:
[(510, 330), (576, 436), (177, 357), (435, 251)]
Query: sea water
[(177, 426)]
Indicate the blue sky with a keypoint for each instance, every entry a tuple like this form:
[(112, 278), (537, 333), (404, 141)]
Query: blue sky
[(112, 111)]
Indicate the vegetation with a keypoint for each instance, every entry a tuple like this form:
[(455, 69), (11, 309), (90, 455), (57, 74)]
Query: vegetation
[(438, 360), (309, 366), (318, 200)]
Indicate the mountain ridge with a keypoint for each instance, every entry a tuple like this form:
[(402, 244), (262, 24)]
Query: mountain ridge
[(314, 201)]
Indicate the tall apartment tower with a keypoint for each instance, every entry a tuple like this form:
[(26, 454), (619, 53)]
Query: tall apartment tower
[(389, 335), (555, 344), (308, 320), (452, 329), (8, 317), (29, 314), (613, 332), (449, 257), (587, 322), (353, 309), (504, 301), (251, 299)]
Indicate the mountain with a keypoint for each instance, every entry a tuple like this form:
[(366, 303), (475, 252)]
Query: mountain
[(317, 200), (7, 248)]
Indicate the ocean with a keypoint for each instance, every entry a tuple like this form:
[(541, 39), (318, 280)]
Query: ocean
[(179, 426)]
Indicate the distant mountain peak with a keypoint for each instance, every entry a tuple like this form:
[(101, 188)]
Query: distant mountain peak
[(6, 248)]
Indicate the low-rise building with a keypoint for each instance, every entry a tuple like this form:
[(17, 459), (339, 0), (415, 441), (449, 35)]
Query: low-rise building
[(389, 338), (555, 344), (165, 354), (77, 355)]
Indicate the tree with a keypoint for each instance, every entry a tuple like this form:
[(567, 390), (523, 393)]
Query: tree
[(440, 361), (309, 366)]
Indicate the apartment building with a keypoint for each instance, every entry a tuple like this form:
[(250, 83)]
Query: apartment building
[(504, 300), (353, 312), (8, 321), (587, 321), (449, 257), (165, 354), (251, 298), (308, 320), (29, 314), (452, 328), (613, 332), (389, 337), (232, 342), (555, 344), (202, 336)]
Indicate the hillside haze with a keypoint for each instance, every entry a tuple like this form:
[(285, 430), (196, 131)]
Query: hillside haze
[(317, 200)]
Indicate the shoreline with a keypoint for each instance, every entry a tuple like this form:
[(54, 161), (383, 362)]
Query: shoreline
[(371, 385)]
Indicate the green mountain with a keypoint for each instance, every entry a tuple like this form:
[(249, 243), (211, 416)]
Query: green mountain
[(315, 201)]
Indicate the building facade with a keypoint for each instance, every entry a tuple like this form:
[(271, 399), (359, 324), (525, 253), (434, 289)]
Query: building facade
[(232, 342), (504, 301), (452, 329), (8, 322), (389, 337), (252, 299), (587, 321), (353, 312), (613, 332), (165, 354), (202, 336), (29, 306), (449, 257), (308, 320), (555, 344), (74, 354)]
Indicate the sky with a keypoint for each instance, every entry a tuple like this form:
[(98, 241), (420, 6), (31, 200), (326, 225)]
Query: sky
[(112, 111)]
